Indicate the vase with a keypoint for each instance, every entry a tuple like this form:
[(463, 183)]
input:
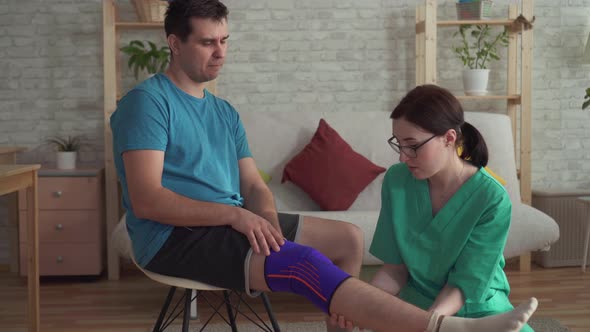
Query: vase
[(475, 81), (66, 160)]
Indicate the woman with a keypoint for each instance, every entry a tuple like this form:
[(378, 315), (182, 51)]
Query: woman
[(444, 220)]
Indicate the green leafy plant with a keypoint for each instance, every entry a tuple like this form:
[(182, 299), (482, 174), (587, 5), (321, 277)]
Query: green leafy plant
[(146, 57), (69, 144), (586, 99), (483, 47)]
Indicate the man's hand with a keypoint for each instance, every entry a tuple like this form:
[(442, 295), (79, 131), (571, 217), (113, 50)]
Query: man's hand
[(261, 234)]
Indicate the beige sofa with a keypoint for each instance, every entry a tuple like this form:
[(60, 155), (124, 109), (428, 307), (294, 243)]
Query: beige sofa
[(275, 137)]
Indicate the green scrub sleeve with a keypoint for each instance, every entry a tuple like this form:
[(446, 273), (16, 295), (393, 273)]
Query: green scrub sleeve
[(479, 259), (384, 245)]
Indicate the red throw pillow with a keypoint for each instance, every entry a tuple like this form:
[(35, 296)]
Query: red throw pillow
[(330, 171)]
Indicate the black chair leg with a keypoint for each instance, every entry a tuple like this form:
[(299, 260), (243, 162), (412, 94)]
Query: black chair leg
[(187, 309), (271, 315), (230, 312), (158, 325)]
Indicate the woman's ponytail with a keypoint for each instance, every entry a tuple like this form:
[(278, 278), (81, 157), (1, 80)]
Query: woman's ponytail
[(475, 149)]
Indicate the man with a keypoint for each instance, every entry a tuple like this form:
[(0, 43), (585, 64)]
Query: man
[(198, 208)]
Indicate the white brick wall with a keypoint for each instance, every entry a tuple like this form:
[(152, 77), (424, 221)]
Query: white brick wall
[(288, 56)]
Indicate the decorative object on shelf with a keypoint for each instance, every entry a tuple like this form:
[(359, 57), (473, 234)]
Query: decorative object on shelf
[(476, 55), (67, 149), (586, 99), (474, 9), (151, 10), (149, 59)]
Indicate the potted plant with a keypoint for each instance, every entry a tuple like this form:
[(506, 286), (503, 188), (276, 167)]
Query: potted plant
[(478, 47), (146, 57), (586, 99), (67, 149)]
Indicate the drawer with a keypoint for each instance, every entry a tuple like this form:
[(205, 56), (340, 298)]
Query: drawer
[(74, 226), (63, 193), (65, 259)]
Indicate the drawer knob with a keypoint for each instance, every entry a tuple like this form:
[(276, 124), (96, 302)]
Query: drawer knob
[(59, 259), (59, 227), (57, 194)]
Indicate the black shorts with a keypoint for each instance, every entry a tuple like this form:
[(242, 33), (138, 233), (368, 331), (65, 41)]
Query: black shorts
[(216, 255)]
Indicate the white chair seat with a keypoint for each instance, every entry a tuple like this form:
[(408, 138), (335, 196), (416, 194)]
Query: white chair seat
[(177, 282)]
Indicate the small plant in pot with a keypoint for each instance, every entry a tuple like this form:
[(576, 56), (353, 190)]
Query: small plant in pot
[(478, 47), (146, 57), (586, 99), (67, 149)]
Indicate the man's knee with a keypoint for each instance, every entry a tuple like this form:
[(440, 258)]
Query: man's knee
[(354, 238), (305, 271)]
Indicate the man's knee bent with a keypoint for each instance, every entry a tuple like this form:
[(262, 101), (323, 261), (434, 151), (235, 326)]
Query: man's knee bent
[(305, 271)]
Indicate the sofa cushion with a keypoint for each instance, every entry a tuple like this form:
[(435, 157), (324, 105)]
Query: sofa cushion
[(276, 136), (530, 230), (496, 129), (330, 171)]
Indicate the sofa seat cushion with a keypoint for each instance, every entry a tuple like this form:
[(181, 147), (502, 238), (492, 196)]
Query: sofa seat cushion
[(530, 230), (330, 171)]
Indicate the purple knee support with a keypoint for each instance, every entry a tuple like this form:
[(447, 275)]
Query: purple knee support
[(304, 271)]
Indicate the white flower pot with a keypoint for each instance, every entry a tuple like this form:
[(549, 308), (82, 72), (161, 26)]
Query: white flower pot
[(66, 160), (475, 81)]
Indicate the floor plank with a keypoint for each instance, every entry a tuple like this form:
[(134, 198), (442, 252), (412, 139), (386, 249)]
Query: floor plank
[(132, 303)]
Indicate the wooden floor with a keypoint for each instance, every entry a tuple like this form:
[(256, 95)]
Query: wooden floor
[(132, 303)]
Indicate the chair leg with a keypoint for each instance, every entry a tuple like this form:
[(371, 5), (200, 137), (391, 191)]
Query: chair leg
[(271, 315), (194, 314), (158, 325), (187, 309), (230, 312)]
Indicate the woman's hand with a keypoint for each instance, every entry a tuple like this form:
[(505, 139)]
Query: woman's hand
[(339, 321)]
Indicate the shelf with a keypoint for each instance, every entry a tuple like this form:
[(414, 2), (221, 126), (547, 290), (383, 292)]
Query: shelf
[(515, 98), (139, 25), (504, 22)]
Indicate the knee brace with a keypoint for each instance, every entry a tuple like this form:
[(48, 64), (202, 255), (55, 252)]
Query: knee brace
[(304, 271)]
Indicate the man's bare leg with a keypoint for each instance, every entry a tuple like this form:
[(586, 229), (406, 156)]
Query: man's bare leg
[(372, 308), (341, 242), (366, 305)]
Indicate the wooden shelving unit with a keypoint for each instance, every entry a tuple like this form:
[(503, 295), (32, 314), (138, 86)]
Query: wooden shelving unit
[(112, 29), (518, 97)]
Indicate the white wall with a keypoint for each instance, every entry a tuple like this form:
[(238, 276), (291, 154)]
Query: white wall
[(288, 56)]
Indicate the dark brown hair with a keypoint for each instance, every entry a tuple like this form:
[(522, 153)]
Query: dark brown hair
[(180, 12), (436, 110)]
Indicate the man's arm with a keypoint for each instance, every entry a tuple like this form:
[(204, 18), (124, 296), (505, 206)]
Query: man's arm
[(150, 200), (257, 196)]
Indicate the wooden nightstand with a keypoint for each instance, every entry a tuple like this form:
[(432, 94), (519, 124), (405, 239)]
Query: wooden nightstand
[(71, 223)]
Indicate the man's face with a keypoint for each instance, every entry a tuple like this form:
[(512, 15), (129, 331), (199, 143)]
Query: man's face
[(203, 54)]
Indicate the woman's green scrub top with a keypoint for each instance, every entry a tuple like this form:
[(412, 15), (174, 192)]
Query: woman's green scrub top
[(462, 245)]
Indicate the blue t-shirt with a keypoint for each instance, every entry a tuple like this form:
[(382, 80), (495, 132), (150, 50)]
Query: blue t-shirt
[(203, 139)]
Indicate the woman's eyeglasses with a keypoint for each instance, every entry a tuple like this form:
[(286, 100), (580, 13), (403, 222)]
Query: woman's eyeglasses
[(410, 151)]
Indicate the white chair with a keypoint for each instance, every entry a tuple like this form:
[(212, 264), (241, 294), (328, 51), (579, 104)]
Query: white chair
[(192, 291)]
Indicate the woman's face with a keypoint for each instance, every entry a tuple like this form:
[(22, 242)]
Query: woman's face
[(424, 153)]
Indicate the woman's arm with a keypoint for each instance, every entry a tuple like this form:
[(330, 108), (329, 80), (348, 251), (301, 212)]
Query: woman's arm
[(391, 278), (448, 302)]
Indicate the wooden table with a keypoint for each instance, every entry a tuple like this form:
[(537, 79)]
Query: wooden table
[(10, 202), (586, 201), (12, 179)]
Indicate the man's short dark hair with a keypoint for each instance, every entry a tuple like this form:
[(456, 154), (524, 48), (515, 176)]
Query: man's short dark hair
[(180, 12)]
